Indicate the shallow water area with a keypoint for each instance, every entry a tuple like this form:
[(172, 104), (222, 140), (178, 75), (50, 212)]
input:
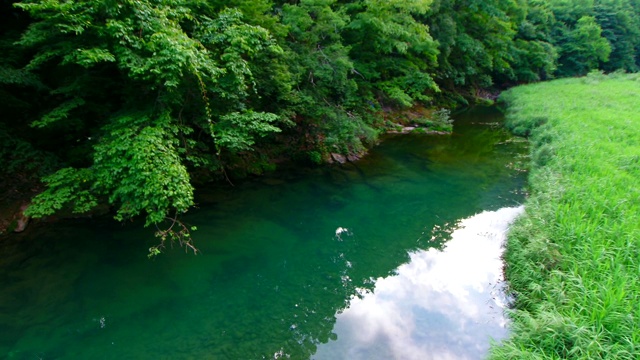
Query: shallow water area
[(283, 260)]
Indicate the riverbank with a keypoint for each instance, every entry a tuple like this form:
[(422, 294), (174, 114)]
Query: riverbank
[(22, 182), (572, 260)]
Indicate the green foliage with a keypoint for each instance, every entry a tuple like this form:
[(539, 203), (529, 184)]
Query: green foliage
[(534, 60), (19, 156), (324, 102), (236, 131), (582, 48), (233, 44), (151, 96), (475, 40), (23, 166), (403, 75), (161, 52), (66, 187), (595, 34), (11, 76), (137, 166), (315, 157), (59, 113), (441, 120), (621, 27)]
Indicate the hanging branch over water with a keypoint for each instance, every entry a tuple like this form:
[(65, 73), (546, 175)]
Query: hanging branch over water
[(176, 232)]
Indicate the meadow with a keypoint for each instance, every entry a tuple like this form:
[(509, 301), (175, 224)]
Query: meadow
[(572, 261)]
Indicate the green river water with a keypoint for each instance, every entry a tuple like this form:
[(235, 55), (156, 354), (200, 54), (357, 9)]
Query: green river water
[(372, 260)]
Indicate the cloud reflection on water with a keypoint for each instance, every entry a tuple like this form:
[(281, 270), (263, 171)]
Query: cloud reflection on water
[(441, 305)]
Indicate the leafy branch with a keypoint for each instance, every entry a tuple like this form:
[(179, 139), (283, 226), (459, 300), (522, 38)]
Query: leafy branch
[(176, 232)]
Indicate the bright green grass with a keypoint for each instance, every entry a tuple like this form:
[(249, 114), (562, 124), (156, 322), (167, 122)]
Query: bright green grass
[(573, 261)]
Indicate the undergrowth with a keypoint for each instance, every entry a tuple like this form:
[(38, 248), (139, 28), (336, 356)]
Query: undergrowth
[(572, 261)]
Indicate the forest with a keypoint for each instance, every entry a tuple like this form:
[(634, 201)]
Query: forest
[(133, 104)]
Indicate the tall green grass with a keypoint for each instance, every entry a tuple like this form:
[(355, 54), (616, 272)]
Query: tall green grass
[(573, 260)]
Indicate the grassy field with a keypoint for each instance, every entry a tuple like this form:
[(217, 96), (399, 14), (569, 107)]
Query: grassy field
[(573, 260)]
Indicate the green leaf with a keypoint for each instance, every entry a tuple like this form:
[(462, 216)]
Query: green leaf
[(89, 57), (59, 113)]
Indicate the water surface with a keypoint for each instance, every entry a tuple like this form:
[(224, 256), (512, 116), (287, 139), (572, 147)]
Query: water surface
[(282, 259), (443, 304)]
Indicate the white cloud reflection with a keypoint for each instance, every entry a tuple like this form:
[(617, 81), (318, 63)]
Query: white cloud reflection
[(441, 305)]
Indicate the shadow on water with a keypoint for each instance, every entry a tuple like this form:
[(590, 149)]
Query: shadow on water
[(282, 257)]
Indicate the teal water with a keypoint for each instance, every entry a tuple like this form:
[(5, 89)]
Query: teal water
[(282, 258)]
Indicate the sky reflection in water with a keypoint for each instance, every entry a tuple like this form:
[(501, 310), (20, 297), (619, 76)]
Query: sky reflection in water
[(441, 305)]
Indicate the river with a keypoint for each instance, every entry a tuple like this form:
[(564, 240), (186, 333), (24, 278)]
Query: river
[(395, 256)]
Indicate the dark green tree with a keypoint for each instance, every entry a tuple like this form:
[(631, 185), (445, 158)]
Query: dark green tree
[(535, 57), (489, 43), (324, 97), (394, 54), (620, 24), (147, 89), (577, 37)]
